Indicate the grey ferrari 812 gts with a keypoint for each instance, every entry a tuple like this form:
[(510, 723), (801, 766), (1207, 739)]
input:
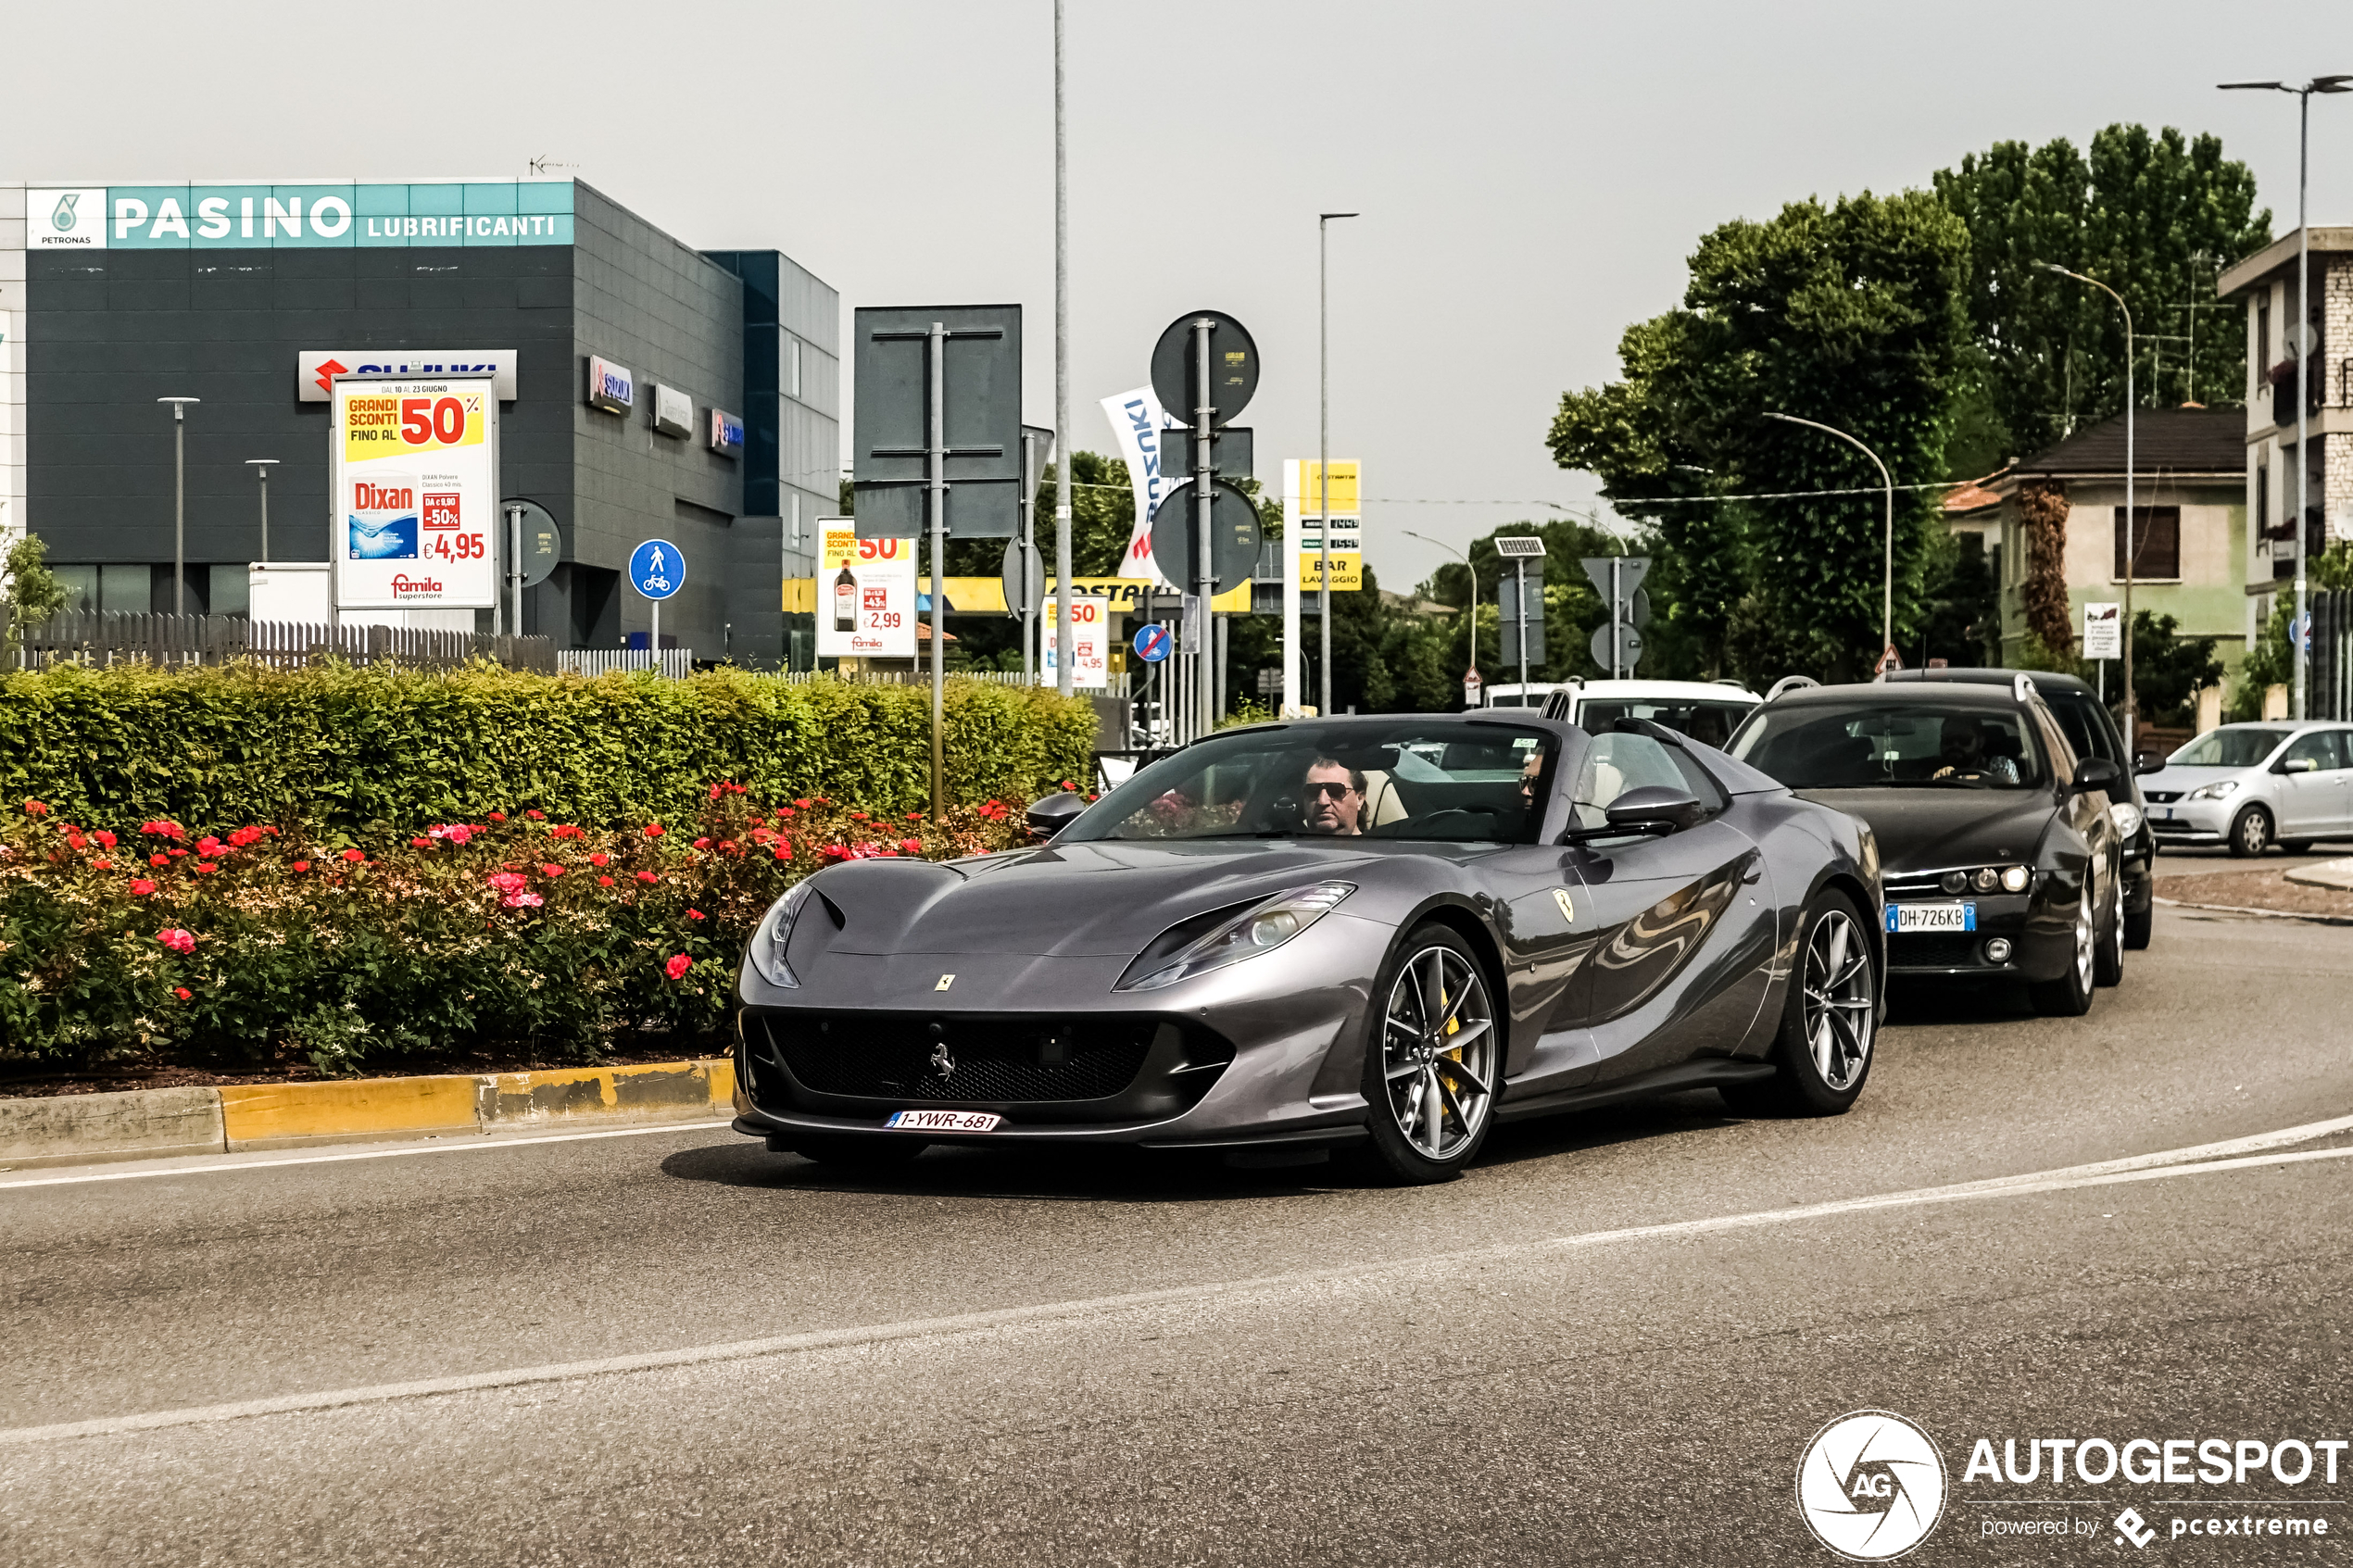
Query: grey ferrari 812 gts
[(1381, 932)]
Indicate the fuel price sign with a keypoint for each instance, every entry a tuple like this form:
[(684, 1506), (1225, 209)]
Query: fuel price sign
[(415, 472)]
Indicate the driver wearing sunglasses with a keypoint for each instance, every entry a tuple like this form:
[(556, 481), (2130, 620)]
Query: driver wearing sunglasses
[(1335, 798)]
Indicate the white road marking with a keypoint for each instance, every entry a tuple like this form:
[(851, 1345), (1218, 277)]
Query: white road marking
[(466, 1146), (2107, 1173)]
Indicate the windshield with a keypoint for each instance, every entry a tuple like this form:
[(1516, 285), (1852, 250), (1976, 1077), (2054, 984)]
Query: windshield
[(1710, 723), (1890, 745), (1410, 779), (2234, 745)]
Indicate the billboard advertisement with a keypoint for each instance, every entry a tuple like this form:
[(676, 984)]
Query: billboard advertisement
[(1090, 642), (415, 476), (244, 216), (865, 594)]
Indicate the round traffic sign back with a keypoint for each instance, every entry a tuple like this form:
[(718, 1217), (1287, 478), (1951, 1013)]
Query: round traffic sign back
[(1233, 548), (657, 570), (1153, 642), (1233, 367), (542, 546)]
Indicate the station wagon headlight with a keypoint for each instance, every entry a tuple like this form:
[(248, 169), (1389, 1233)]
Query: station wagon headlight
[(1260, 928), (767, 952), (2214, 791), (2127, 818), (2014, 879)]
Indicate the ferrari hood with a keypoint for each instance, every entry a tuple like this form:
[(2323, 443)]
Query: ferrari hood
[(1067, 901), (1921, 830)]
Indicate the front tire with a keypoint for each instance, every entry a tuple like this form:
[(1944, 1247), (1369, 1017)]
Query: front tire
[(2070, 995), (2108, 966), (2250, 833), (1433, 1058), (1828, 1024), (2139, 928)]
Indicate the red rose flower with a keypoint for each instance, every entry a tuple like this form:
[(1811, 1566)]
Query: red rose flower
[(914, 816), (604, 882), (536, 815), (302, 865), (206, 867), (176, 853), (103, 865), (498, 816), (207, 845), (653, 830), (354, 855), (647, 877), (600, 857), (911, 846), (182, 992), (551, 870), (694, 914), (158, 859), (803, 804), (565, 830), (178, 940), (141, 887), (420, 843), (74, 840), (36, 809), (678, 965), (702, 844), (103, 837)]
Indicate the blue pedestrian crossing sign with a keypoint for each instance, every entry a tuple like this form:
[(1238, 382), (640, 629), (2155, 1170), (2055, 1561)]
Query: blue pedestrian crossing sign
[(1153, 643), (657, 570)]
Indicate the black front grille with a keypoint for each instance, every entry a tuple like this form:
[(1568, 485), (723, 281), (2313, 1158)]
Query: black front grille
[(1933, 949), (950, 1059), (2162, 797)]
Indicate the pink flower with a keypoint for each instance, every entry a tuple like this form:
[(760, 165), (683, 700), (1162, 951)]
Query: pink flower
[(141, 887), (522, 900), (161, 826), (536, 815), (176, 939), (182, 992), (506, 882), (694, 914), (677, 966), (647, 877), (354, 855), (699, 844), (207, 845), (456, 833)]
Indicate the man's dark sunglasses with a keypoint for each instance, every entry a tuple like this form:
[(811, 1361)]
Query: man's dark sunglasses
[(1333, 789)]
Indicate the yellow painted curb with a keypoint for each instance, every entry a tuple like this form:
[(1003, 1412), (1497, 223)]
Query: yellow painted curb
[(289, 1115), (567, 1093)]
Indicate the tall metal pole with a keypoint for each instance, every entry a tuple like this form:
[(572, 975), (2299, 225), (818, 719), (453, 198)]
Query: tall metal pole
[(1205, 505), (938, 442), (1065, 652), (514, 561), (1519, 570), (1617, 594), (265, 514), (178, 501), (1887, 593), (2132, 547), (1028, 551), (1324, 452), (2303, 402)]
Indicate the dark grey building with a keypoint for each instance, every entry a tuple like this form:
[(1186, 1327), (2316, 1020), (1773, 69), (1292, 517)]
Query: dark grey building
[(248, 298)]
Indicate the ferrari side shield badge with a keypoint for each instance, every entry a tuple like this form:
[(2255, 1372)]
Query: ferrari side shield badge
[(945, 981), (1568, 911)]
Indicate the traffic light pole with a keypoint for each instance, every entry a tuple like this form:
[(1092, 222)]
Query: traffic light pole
[(1204, 503)]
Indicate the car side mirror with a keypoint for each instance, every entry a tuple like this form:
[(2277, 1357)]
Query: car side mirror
[(2148, 762), (2297, 765), (1655, 810), (1049, 814), (2096, 773)]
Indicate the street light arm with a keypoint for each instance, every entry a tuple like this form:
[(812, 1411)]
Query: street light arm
[(1833, 430)]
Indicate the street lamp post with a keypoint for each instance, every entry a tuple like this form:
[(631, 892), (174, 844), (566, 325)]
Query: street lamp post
[(1324, 449), (179, 499), (1887, 596), (261, 467), (1470, 614), (2296, 632), (2132, 549), (1065, 653)]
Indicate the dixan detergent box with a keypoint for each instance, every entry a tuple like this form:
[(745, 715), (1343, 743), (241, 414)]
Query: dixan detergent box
[(384, 516)]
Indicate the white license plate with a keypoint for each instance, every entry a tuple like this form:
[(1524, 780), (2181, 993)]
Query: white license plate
[(943, 1121), (1931, 917), (2166, 812)]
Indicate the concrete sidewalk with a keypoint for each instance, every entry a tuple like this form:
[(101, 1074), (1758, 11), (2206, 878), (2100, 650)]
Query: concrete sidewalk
[(157, 1124)]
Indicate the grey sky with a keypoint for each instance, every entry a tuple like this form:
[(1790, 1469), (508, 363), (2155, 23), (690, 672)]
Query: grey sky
[(1532, 175)]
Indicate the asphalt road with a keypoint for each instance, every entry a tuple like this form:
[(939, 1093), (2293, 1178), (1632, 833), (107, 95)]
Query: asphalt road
[(1612, 1340), (2186, 860)]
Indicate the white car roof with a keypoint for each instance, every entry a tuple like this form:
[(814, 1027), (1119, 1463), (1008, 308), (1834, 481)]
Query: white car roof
[(1687, 691)]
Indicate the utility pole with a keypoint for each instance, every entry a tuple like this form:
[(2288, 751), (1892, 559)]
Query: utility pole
[(1887, 592), (1324, 448), (261, 467), (178, 501), (1065, 649), (2132, 549)]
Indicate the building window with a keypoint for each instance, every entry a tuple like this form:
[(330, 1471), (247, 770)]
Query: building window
[(792, 366), (2262, 509), (2156, 541), (2262, 342)]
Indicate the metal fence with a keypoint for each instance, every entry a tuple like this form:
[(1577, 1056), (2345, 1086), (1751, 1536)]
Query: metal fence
[(677, 663), (2330, 692), (107, 637)]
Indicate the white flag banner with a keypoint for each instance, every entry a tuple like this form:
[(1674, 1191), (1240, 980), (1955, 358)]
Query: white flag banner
[(1136, 422)]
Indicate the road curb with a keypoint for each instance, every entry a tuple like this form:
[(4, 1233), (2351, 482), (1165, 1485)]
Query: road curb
[(239, 1118), (2267, 914)]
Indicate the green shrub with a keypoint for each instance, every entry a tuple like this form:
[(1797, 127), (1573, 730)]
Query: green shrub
[(525, 934), (349, 752)]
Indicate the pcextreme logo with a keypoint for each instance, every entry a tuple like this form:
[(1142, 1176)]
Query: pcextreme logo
[(1870, 1486)]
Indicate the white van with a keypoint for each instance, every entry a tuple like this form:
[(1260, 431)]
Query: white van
[(1708, 711)]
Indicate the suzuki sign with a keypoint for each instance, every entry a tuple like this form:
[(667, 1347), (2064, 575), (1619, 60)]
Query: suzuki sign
[(316, 369)]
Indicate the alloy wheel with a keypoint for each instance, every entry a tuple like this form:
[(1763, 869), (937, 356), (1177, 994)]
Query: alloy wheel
[(2086, 936), (1438, 1052), (1840, 1007)]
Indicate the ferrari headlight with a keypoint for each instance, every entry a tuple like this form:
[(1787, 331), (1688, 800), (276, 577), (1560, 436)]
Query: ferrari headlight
[(2127, 818), (1259, 929), (2214, 791), (775, 930)]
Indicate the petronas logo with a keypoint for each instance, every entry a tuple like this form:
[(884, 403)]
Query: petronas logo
[(63, 219)]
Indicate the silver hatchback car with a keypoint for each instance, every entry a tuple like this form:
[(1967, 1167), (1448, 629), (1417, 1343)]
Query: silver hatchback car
[(2252, 786)]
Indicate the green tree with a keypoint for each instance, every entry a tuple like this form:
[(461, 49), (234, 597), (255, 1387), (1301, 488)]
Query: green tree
[(1853, 314), (2168, 669), (2156, 218), (28, 590)]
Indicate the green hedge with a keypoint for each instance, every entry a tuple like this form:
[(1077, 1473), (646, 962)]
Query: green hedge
[(355, 752)]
